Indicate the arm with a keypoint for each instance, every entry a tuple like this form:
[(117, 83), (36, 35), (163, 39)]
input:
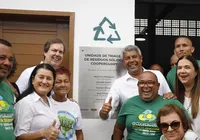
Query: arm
[(111, 103), (23, 120), (104, 112), (49, 133), (118, 131), (169, 95), (22, 81), (79, 135), (32, 136)]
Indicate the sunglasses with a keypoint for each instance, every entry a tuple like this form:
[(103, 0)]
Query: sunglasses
[(174, 125)]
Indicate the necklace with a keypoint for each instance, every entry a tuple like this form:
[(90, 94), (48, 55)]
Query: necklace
[(188, 106)]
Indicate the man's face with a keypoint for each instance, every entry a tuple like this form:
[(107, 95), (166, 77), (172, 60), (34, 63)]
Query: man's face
[(148, 86), (156, 67), (173, 61), (6, 61), (183, 46), (54, 56), (132, 62)]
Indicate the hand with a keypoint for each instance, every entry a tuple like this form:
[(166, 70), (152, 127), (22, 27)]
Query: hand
[(106, 107), (169, 95), (50, 133)]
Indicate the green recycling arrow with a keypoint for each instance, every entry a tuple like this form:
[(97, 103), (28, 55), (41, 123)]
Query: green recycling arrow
[(99, 30)]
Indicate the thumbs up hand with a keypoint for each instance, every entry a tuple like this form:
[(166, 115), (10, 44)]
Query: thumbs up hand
[(50, 133), (106, 107)]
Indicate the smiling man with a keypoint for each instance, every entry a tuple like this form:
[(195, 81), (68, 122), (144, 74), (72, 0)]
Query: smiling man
[(6, 94), (126, 86), (138, 114), (53, 54)]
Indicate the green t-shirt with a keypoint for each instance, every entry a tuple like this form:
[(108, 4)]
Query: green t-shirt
[(139, 117), (171, 77), (6, 112)]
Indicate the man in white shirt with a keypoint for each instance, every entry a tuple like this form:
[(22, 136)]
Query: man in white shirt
[(53, 54), (126, 86)]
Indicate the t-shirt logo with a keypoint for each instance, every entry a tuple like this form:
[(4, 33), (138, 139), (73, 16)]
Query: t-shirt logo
[(67, 125), (147, 116), (4, 106)]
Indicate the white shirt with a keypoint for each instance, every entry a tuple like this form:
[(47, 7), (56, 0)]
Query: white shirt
[(22, 81), (196, 121), (189, 135), (70, 118), (33, 114), (126, 87)]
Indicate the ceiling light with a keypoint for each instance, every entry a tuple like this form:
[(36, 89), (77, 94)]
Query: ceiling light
[(140, 38)]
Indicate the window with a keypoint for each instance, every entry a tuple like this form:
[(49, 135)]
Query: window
[(166, 27)]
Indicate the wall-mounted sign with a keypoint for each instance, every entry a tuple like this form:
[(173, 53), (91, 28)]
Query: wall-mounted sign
[(98, 68)]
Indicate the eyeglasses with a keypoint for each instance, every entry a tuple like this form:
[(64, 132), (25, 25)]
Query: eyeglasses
[(148, 83), (174, 125)]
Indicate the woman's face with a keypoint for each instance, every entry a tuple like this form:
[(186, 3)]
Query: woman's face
[(43, 82), (172, 134), (186, 72), (62, 84)]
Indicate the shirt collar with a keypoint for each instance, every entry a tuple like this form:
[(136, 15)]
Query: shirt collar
[(128, 76), (35, 96)]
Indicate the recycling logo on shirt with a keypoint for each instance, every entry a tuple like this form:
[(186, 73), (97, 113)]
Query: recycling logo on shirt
[(147, 116), (100, 32)]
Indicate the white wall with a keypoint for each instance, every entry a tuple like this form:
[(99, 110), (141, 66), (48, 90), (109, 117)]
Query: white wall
[(88, 14)]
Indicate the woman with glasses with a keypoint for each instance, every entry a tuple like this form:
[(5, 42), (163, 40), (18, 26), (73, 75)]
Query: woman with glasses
[(187, 88), (174, 124)]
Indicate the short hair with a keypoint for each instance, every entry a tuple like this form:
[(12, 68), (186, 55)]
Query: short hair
[(63, 70), (184, 37), (53, 41), (30, 88), (132, 48), (172, 108), (5, 42), (14, 68)]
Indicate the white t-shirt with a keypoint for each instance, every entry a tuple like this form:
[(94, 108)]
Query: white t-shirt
[(33, 114), (70, 118)]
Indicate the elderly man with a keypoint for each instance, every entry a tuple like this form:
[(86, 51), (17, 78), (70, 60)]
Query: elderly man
[(6, 94), (138, 114), (53, 54), (183, 46), (126, 86)]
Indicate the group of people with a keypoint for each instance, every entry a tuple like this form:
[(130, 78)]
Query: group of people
[(37, 112), (150, 107)]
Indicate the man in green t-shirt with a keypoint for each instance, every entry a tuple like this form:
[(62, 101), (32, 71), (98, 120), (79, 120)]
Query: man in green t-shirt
[(182, 46), (138, 114), (6, 94)]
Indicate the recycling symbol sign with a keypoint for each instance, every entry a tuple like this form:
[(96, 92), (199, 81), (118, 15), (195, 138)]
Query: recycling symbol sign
[(106, 33)]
